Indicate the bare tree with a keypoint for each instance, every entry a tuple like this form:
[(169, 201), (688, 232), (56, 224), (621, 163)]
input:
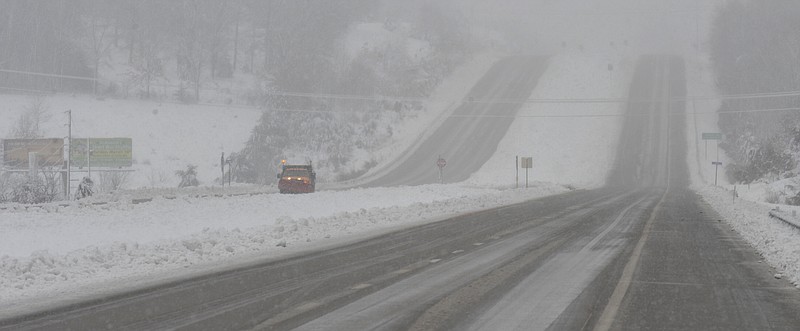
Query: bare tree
[(29, 123), (189, 47), (98, 38), (112, 181)]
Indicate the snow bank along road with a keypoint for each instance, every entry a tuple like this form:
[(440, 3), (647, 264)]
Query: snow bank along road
[(641, 253)]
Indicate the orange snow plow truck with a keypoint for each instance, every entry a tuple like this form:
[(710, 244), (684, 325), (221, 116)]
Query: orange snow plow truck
[(296, 178)]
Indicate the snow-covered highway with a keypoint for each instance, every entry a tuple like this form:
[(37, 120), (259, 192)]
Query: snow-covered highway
[(643, 252)]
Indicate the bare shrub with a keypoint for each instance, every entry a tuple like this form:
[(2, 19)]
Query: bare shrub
[(158, 178), (112, 181), (773, 196), (5, 187), (188, 177), (30, 190), (51, 178)]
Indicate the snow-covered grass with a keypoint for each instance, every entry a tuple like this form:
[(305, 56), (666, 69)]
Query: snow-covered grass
[(776, 241), (166, 136), (84, 249), (75, 249), (72, 252), (443, 101), (577, 150)]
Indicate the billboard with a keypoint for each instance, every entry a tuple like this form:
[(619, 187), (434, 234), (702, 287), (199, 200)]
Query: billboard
[(102, 152), (49, 152)]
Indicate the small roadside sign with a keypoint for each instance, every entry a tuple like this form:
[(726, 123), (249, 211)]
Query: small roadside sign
[(712, 136), (526, 163), (441, 163), (716, 163)]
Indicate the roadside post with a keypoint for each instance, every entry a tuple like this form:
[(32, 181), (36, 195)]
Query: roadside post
[(222, 167), (441, 163), (716, 166), (33, 165), (89, 154), (712, 136), (68, 185), (229, 161), (516, 165), (527, 163)]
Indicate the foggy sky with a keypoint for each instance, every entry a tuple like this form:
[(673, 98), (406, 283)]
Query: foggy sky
[(540, 26)]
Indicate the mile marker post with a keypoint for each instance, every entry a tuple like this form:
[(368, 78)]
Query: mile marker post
[(716, 166)]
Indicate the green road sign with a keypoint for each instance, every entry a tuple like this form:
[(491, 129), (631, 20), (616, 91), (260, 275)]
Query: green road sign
[(712, 136), (102, 152)]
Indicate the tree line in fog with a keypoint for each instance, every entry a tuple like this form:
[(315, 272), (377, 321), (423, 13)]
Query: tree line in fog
[(756, 52)]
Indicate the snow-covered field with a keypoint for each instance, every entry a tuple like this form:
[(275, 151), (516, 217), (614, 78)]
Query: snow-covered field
[(83, 248), (578, 150), (79, 251), (166, 136)]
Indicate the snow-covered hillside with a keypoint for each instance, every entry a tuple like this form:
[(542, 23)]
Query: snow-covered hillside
[(577, 150)]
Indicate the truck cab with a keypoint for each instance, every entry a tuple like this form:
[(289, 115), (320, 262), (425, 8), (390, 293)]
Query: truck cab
[(297, 178)]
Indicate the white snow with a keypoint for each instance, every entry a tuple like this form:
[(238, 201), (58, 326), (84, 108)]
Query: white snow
[(777, 242), (75, 251), (84, 249), (79, 249), (576, 151), (443, 101), (748, 214), (166, 136)]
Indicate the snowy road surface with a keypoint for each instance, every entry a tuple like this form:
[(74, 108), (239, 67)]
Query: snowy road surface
[(469, 136), (642, 253)]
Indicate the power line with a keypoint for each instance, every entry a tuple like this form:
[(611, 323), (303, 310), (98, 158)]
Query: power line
[(330, 112), (345, 96), (741, 96), (332, 96), (29, 73), (25, 90)]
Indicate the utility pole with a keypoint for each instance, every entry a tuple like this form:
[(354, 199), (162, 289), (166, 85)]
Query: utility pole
[(89, 153), (69, 155), (222, 167)]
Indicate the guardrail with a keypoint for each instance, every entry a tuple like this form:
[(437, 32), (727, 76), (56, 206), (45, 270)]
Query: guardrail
[(776, 213)]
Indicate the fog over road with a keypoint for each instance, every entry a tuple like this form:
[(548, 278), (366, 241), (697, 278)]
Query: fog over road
[(644, 252)]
